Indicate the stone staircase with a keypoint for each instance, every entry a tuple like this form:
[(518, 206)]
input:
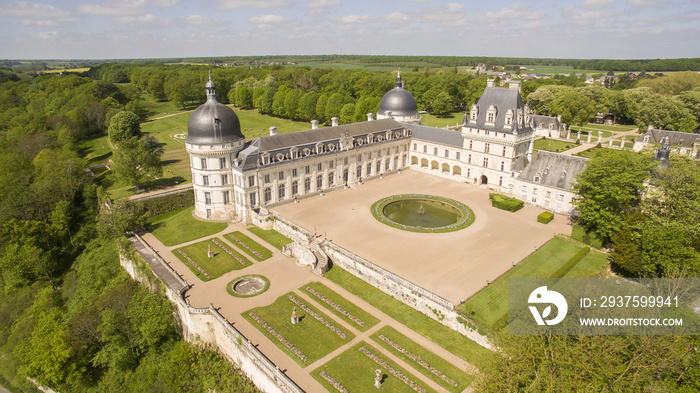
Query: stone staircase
[(322, 263)]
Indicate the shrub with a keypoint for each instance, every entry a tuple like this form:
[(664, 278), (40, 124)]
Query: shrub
[(570, 263), (506, 203), (545, 217), (165, 204)]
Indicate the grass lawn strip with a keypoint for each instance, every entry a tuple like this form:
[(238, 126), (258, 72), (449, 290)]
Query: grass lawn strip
[(271, 236), (554, 145), (443, 336), (238, 257), (490, 304), (249, 246), (279, 337), (353, 370), (310, 336), (179, 226), (426, 362), (216, 266), (340, 306), (317, 316), (589, 266)]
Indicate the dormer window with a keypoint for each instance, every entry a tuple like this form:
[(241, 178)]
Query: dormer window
[(319, 148), (520, 118), (474, 113), (491, 115), (646, 138), (509, 118)]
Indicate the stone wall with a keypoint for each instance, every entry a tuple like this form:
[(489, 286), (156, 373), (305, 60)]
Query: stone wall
[(207, 325)]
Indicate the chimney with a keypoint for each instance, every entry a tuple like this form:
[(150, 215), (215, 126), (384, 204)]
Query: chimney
[(273, 131), (334, 121), (490, 83), (314, 124), (515, 85), (370, 116), (387, 115)]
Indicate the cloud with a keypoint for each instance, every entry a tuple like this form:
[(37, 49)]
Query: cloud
[(451, 15), (598, 4), (199, 20), (397, 17), (323, 3), (645, 3), (48, 35), (265, 21), (145, 18), (354, 19), (115, 8), (251, 4), (165, 3), (32, 10), (516, 11), (588, 17)]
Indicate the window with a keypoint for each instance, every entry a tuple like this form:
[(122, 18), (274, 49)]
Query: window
[(435, 151), (320, 166), (387, 164), (491, 117), (307, 185), (359, 172), (534, 199), (222, 162), (227, 197), (369, 169), (224, 179), (487, 148), (267, 178), (319, 182), (486, 162), (369, 155), (561, 197), (536, 179), (378, 167), (251, 181), (207, 198), (504, 151), (503, 165), (251, 196), (469, 173), (447, 153), (203, 161), (268, 195), (331, 178), (524, 189), (359, 157), (330, 164), (205, 180), (500, 180), (294, 172), (548, 194), (345, 161), (280, 175), (346, 176), (425, 148), (415, 146), (295, 188), (534, 191), (457, 156), (469, 159), (471, 145), (307, 169), (281, 192)]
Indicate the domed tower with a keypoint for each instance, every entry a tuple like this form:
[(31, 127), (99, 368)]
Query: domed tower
[(214, 139), (399, 104)]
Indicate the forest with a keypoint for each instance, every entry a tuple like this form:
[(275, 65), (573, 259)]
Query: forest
[(73, 320)]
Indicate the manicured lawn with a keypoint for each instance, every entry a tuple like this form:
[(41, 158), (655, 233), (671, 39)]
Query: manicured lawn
[(95, 150), (354, 370), (169, 130), (489, 305), (216, 266), (589, 266), (606, 127), (252, 248), (580, 234), (271, 236), (554, 145), (180, 226), (451, 119), (588, 153), (254, 124), (592, 128), (455, 380), (313, 338), (332, 297), (445, 337)]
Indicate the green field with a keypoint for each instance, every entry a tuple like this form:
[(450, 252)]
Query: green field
[(554, 145), (216, 266), (451, 119), (445, 337), (310, 336), (179, 226), (605, 127), (589, 266), (355, 372), (254, 246), (552, 70), (589, 153), (455, 380), (361, 315), (271, 236), (95, 149), (489, 305)]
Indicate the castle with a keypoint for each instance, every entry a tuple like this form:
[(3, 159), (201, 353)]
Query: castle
[(235, 180)]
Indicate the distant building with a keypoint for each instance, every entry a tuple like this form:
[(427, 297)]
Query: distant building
[(684, 143), (548, 126)]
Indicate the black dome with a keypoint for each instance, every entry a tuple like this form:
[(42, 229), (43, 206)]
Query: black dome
[(398, 101), (213, 122)]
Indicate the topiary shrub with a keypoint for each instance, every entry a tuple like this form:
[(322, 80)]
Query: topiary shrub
[(545, 217), (506, 203)]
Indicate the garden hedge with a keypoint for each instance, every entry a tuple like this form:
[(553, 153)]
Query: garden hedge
[(545, 217), (506, 203)]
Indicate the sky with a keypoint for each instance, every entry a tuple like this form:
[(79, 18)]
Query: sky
[(112, 29)]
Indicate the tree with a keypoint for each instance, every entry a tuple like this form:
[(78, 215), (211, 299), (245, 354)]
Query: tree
[(573, 107), (124, 125), (137, 160), (664, 112), (347, 113), (442, 104), (612, 184)]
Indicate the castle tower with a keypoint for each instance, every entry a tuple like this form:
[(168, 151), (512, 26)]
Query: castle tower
[(214, 139), (399, 104)]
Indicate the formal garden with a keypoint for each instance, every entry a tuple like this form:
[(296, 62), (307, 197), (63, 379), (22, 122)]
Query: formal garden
[(210, 259)]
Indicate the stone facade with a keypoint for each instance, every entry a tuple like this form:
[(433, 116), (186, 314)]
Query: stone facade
[(683, 143)]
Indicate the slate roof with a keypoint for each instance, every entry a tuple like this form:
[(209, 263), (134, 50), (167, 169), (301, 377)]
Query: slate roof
[(675, 138), (437, 135), (553, 169), (503, 98), (545, 121), (213, 122)]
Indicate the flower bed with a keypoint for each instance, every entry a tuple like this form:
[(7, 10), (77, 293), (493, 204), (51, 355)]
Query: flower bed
[(418, 360), (195, 264), (335, 306), (245, 245), (333, 382), (229, 252), (317, 317), (278, 336), (398, 374)]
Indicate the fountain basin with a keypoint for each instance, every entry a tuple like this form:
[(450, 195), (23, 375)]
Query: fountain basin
[(423, 213)]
